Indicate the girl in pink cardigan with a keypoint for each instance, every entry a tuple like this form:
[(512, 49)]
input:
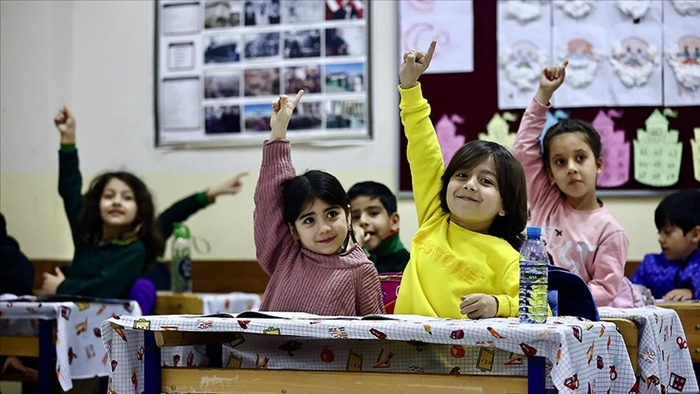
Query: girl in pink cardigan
[(303, 235)]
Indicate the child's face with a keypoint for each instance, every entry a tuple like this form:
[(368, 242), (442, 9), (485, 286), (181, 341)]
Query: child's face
[(118, 206), (370, 214), (574, 168), (677, 246), (474, 198), (321, 227)]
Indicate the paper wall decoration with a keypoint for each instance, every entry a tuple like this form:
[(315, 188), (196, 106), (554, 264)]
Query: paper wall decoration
[(524, 11), (634, 60), (584, 62), (695, 147), (686, 7), (684, 58), (523, 63), (497, 130), (616, 151), (448, 138), (633, 8), (657, 152), (576, 9)]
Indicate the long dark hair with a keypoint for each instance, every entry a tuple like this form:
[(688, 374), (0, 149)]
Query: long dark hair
[(301, 191), (89, 223), (511, 185)]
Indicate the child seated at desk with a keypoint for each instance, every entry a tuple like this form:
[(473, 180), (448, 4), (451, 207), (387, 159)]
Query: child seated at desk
[(674, 274), (113, 226), (303, 235), (376, 225), (471, 215)]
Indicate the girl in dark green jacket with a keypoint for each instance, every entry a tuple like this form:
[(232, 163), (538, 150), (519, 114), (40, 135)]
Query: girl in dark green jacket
[(113, 226)]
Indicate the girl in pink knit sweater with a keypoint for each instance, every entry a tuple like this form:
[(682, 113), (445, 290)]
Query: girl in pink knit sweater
[(303, 235)]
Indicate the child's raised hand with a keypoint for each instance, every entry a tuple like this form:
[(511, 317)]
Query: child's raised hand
[(65, 123), (414, 64), (478, 306), (550, 80), (231, 186), (282, 110)]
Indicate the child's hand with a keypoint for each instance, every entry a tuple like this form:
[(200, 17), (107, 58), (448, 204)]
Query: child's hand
[(282, 110), (478, 306), (550, 80), (414, 64), (65, 123), (51, 282), (360, 236), (231, 186), (679, 295)]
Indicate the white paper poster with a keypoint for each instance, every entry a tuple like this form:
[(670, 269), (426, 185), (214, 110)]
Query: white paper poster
[(451, 23)]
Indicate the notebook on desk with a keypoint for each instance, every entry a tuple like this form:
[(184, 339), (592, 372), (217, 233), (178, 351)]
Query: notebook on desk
[(69, 298)]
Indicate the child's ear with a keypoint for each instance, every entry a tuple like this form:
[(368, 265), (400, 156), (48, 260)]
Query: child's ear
[(599, 164), (293, 231), (395, 221), (550, 176), (695, 234)]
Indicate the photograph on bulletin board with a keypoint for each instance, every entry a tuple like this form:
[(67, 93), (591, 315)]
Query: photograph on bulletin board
[(635, 78), (220, 64)]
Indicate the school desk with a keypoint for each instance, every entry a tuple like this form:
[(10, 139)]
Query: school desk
[(663, 355), (406, 353), (27, 329), (169, 303), (689, 313)]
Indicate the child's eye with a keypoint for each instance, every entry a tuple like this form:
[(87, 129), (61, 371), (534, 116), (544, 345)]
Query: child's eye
[(356, 217), (308, 220), (559, 162), (332, 214), (486, 181), (461, 175), (581, 157)]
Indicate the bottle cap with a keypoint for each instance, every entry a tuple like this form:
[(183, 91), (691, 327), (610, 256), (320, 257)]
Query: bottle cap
[(534, 231), (180, 230)]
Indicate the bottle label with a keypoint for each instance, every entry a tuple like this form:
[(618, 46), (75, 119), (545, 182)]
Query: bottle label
[(185, 268)]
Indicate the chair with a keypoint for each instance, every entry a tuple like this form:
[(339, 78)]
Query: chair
[(143, 291), (574, 298)]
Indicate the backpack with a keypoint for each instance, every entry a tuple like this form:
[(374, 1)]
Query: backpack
[(573, 296), (390, 283)]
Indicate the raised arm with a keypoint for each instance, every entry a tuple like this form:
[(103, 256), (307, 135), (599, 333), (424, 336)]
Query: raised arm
[(272, 236), (423, 151), (527, 148), (70, 182)]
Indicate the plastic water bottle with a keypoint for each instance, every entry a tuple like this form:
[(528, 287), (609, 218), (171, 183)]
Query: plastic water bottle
[(181, 269), (533, 278)]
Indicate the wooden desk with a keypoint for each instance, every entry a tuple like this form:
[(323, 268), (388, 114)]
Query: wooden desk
[(169, 303), (487, 354), (689, 313)]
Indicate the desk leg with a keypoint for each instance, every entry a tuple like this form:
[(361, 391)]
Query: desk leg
[(47, 356), (215, 353), (535, 375), (152, 372)]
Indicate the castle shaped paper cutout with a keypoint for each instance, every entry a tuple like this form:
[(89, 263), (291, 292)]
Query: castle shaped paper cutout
[(657, 151), (497, 130), (616, 151)]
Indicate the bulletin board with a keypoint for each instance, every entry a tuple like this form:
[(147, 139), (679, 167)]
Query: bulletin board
[(220, 63), (474, 97)]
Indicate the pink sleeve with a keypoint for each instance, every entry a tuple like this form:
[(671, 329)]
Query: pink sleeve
[(370, 293), (527, 150), (607, 268), (272, 237)]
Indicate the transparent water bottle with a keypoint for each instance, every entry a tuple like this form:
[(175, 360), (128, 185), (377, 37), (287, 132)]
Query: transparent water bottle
[(533, 278), (181, 269)]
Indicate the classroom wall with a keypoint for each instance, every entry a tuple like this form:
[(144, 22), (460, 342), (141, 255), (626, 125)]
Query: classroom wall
[(98, 57)]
